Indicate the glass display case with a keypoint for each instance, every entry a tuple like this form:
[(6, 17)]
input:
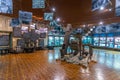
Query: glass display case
[(102, 41), (87, 40), (117, 42), (110, 42), (51, 41), (61, 40), (57, 41), (96, 41)]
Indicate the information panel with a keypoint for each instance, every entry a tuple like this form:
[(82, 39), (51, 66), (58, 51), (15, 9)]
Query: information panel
[(97, 4), (6, 6), (38, 3), (25, 17), (117, 8)]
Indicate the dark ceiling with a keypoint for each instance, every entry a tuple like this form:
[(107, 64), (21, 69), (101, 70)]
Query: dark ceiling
[(70, 11)]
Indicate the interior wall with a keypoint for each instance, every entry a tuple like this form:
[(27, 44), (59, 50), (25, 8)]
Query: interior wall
[(5, 24)]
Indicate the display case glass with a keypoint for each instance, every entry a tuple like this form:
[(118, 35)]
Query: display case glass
[(51, 41), (110, 42), (102, 41), (117, 42), (57, 41), (87, 40), (61, 40), (96, 41)]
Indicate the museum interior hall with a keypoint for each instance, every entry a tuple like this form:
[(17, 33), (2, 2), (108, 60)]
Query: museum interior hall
[(59, 40)]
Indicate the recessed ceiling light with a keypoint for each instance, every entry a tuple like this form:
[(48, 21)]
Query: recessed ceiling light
[(101, 23), (101, 8)]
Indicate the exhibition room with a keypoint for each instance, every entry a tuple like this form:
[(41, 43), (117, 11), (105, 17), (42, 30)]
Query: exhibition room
[(59, 40)]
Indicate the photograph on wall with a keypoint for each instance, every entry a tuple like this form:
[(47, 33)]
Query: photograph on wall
[(14, 22), (100, 29), (97, 4), (109, 28), (117, 8), (4, 40), (114, 27), (25, 17), (38, 3), (48, 16), (6, 6)]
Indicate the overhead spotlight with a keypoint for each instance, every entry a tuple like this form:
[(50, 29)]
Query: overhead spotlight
[(101, 8), (101, 23), (84, 25), (58, 19), (91, 29), (93, 26), (53, 9), (110, 9)]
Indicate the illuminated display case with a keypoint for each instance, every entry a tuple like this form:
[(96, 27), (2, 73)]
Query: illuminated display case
[(110, 42), (102, 41), (87, 40), (96, 40), (51, 41), (61, 40), (55, 40), (117, 42)]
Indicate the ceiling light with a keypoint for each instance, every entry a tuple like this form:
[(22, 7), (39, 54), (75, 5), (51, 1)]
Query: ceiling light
[(110, 9), (84, 25), (53, 9), (101, 23), (91, 29), (58, 19), (101, 8)]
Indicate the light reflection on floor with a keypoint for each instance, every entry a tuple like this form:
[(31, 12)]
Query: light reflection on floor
[(109, 58), (106, 57), (53, 55)]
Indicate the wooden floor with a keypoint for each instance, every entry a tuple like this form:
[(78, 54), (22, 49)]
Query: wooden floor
[(42, 65)]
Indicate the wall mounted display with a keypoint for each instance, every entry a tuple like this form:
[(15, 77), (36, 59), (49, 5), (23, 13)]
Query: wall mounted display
[(117, 8), (4, 40), (48, 16), (14, 22), (97, 4), (6, 6), (25, 17), (114, 27), (100, 29), (38, 3)]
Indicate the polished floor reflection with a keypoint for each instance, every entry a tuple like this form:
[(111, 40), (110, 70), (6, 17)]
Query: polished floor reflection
[(109, 58), (45, 65)]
